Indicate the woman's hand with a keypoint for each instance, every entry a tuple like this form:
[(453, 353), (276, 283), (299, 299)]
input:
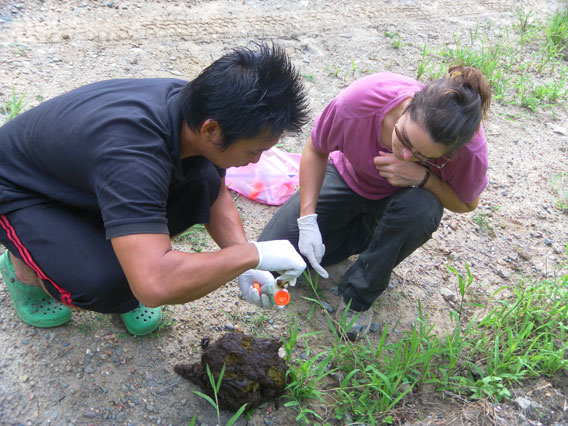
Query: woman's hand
[(310, 242), (409, 173), (398, 172)]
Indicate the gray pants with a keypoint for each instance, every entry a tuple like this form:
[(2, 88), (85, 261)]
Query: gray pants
[(383, 232)]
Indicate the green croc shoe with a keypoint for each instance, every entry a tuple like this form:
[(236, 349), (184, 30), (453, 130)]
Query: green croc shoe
[(32, 304), (142, 320)]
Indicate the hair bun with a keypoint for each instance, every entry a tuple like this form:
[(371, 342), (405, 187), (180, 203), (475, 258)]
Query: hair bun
[(472, 77)]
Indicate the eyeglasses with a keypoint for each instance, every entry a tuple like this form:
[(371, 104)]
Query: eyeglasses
[(422, 158)]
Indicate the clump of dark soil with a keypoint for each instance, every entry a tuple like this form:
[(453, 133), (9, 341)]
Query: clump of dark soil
[(254, 372)]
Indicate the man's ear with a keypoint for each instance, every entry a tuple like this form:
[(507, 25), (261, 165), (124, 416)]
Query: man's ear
[(211, 130)]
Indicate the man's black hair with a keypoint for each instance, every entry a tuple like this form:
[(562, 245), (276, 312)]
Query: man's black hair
[(248, 91)]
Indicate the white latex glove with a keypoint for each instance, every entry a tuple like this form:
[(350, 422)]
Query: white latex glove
[(310, 243), (282, 257), (251, 294), (272, 288)]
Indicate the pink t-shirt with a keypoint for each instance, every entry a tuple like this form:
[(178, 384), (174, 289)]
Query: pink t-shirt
[(349, 128)]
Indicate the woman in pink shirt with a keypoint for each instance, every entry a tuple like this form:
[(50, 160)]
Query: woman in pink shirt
[(385, 157)]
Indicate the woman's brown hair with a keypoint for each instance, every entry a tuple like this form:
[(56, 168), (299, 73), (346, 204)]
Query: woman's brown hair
[(451, 109)]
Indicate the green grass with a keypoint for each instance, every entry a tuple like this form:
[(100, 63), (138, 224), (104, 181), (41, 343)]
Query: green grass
[(350, 71), (167, 323), (559, 184), (479, 357), (215, 401), (555, 43), (525, 63), (197, 236), (396, 39), (14, 106), (483, 221), (89, 322)]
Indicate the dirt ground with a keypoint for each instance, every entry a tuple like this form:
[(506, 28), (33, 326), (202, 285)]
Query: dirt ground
[(91, 371)]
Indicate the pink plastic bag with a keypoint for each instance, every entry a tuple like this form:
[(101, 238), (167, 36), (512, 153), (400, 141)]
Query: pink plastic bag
[(270, 181)]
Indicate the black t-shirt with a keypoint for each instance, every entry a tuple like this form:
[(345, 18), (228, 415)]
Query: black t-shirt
[(110, 147)]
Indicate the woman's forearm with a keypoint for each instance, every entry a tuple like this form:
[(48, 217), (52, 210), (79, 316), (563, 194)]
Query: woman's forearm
[(447, 196), (312, 172)]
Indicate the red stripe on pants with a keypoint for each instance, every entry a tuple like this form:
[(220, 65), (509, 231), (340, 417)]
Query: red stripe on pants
[(28, 260)]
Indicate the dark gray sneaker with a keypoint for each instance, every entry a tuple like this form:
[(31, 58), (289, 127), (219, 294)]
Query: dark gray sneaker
[(356, 323)]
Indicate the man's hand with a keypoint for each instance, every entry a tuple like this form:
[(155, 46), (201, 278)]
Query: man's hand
[(280, 256), (398, 172), (251, 294), (310, 242)]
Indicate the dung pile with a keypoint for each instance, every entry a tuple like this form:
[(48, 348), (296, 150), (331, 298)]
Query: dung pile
[(254, 372)]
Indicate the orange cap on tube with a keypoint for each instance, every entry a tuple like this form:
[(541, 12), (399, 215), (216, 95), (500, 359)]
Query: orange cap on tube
[(281, 297)]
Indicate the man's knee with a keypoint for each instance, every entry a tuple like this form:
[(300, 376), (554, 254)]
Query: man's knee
[(105, 291)]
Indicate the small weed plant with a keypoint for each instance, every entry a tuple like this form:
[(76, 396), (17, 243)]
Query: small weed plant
[(167, 322), (559, 184), (305, 379), (463, 284), (396, 39), (196, 236), (354, 71), (481, 357), (14, 106), (216, 385), (482, 220)]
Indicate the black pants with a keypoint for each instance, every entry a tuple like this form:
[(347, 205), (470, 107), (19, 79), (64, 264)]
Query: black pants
[(383, 232), (67, 247)]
